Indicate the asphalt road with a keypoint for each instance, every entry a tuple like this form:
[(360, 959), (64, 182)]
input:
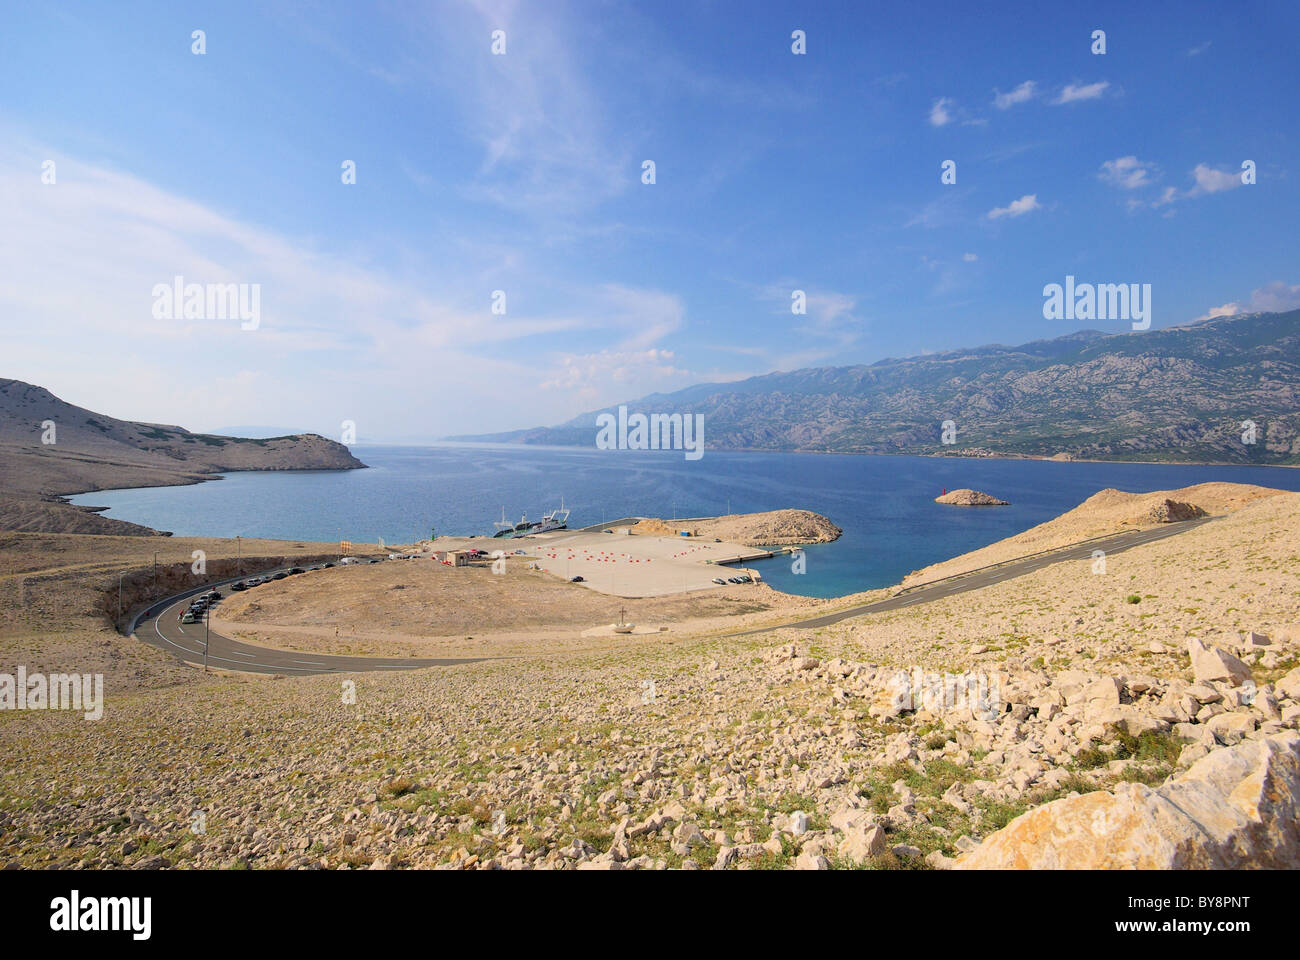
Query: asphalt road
[(160, 625), (985, 577)]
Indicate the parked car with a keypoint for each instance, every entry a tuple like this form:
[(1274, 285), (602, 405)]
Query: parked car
[(254, 582), (720, 581), (733, 579), (577, 579), (326, 565), (238, 585), (376, 561), (293, 570), (279, 576), (189, 617)]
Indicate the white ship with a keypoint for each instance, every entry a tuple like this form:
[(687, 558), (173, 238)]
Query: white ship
[(555, 520)]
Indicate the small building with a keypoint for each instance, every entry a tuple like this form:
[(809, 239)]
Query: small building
[(457, 558)]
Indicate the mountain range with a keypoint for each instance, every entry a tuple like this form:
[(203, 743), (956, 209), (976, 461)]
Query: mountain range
[(1187, 393)]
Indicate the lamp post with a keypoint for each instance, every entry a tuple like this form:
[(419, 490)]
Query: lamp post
[(207, 614)]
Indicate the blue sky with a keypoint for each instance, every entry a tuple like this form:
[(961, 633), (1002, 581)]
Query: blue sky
[(522, 173)]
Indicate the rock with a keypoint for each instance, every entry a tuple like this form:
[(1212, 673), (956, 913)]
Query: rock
[(1231, 728), (1237, 807), (798, 823), (1171, 511), (1213, 663), (847, 818), (937, 861), (1097, 697), (969, 498), (861, 844), (1289, 686), (811, 861)]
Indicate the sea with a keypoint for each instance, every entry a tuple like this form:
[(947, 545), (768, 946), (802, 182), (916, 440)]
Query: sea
[(884, 504)]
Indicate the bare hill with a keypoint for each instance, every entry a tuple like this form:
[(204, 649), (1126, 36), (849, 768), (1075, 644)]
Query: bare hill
[(1108, 511), (50, 448), (771, 528)]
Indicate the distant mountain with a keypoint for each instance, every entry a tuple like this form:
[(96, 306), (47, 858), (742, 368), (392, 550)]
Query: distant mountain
[(1175, 394), (50, 448)]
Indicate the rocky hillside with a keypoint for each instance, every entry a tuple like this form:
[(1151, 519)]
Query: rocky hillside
[(91, 451), (1176, 394), (772, 528)]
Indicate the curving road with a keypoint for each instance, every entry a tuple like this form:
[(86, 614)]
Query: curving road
[(987, 576), (160, 625)]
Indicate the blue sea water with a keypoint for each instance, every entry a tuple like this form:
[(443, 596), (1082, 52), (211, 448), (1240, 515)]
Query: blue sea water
[(884, 504)]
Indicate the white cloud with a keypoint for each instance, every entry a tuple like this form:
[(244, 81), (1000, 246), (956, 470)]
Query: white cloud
[(602, 377), (940, 114), (1021, 94), (830, 315), (969, 257), (1074, 92), (1277, 297), (82, 258), (1017, 208), (1199, 49), (1128, 173), (1209, 180)]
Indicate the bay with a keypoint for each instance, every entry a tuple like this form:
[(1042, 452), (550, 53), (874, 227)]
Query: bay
[(884, 504)]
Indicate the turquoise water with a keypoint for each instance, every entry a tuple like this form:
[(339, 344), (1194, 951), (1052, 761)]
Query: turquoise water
[(884, 504)]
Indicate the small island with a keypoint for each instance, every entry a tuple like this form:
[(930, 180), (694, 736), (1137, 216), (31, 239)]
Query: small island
[(970, 498)]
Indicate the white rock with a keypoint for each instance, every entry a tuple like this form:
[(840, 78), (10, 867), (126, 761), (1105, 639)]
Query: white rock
[(1212, 663)]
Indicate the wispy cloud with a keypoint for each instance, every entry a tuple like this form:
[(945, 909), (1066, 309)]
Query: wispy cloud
[(1021, 94), (1199, 49), (940, 112), (1277, 297), (1209, 180), (1128, 173), (1074, 92), (1016, 208), (84, 255)]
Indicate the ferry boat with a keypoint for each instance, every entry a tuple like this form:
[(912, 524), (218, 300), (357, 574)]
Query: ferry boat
[(555, 520)]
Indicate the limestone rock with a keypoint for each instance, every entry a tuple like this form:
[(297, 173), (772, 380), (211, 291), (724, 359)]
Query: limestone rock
[(1213, 663), (861, 844), (1171, 511), (1237, 807)]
